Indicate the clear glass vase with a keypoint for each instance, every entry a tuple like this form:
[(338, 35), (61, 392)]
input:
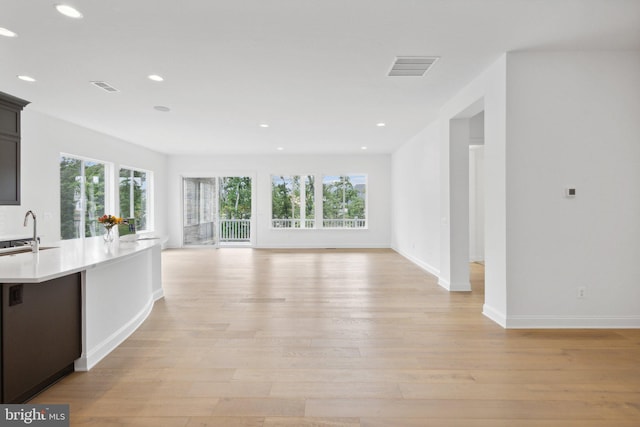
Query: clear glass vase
[(108, 235)]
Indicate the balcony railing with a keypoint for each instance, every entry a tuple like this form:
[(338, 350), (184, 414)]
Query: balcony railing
[(293, 223), (235, 230), (326, 223), (344, 223)]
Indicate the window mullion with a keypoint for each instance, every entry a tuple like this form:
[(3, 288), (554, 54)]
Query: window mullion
[(131, 196), (303, 202), (319, 201), (83, 201)]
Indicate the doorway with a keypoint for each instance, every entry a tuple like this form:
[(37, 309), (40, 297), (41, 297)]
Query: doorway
[(456, 226), (217, 211), (476, 199)]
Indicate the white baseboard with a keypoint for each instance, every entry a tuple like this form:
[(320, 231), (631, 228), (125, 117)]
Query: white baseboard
[(572, 322), (453, 287), (92, 356), (494, 315), (326, 246), (423, 265), (464, 286), (295, 246), (561, 322), (456, 286), (158, 294), (444, 283)]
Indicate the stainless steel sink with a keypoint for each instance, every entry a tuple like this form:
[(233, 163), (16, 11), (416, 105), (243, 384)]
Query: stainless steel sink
[(21, 250)]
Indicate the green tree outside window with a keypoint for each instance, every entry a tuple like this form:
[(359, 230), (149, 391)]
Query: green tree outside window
[(82, 197)]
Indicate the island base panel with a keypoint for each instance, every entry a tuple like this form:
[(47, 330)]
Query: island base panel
[(41, 335)]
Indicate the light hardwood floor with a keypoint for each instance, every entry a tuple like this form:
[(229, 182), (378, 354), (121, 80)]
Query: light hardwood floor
[(345, 338)]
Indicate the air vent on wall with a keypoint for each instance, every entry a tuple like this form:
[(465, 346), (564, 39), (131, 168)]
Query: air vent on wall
[(105, 86), (412, 65)]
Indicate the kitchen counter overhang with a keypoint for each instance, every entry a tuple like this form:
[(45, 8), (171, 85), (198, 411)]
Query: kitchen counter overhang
[(67, 257)]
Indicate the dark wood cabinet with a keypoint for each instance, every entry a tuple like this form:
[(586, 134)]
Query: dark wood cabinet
[(41, 335), (10, 109)]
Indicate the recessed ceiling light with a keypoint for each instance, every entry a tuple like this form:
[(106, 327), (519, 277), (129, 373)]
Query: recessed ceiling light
[(7, 33), (264, 125), (156, 78), (69, 11), (27, 79), (280, 148), (363, 148), (162, 108), (381, 125)]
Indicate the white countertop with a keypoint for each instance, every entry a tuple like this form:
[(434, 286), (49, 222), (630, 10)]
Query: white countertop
[(67, 257), (16, 237)]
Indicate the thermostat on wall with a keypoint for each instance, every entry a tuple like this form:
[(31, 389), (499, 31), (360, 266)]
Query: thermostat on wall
[(570, 192)]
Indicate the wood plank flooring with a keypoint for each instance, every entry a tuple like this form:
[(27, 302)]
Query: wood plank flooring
[(345, 338)]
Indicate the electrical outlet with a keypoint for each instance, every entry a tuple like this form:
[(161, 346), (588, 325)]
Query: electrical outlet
[(582, 292)]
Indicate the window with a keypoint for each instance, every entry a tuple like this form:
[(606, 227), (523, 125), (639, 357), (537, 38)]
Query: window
[(344, 201), (135, 197), (82, 197), (293, 201)]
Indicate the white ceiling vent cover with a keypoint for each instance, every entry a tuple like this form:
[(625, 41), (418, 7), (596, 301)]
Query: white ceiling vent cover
[(414, 66), (105, 86)]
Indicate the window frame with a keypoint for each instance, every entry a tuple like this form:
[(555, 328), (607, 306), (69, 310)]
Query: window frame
[(365, 200), (319, 201), (302, 225), (150, 224), (108, 190)]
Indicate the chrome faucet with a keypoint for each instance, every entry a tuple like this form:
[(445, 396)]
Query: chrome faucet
[(34, 245)]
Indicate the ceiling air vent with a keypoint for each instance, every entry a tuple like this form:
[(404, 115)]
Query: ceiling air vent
[(412, 65), (105, 86)]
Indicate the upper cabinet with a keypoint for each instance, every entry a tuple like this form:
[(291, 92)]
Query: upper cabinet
[(10, 108)]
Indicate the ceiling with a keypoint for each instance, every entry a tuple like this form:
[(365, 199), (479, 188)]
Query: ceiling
[(315, 71)]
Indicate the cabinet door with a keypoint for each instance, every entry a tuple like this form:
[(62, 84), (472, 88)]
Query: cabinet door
[(9, 171), (9, 120), (41, 338), (10, 110)]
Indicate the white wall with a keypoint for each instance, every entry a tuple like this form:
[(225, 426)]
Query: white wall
[(573, 120), (552, 120), (476, 130), (415, 199), (476, 188), (43, 139), (454, 227), (476, 203), (416, 196), (429, 153), (377, 168)]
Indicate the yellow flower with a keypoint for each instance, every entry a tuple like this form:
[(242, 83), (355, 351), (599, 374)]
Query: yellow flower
[(110, 220)]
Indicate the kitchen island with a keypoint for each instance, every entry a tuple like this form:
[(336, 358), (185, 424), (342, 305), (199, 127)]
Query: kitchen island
[(116, 285)]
